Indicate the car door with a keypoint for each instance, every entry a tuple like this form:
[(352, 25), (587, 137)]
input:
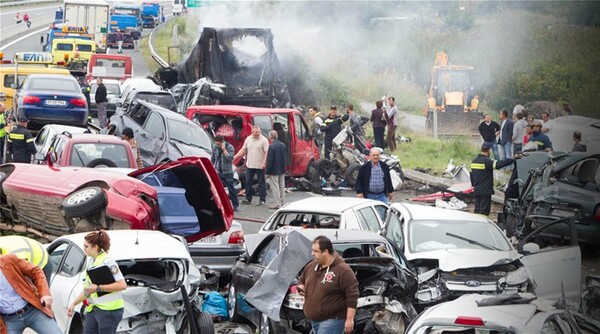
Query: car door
[(68, 262), (203, 191), (368, 219), (555, 266), (393, 228), (301, 147), (152, 139)]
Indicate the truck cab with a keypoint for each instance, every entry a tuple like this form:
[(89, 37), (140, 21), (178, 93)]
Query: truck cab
[(110, 66), (72, 48), (63, 30)]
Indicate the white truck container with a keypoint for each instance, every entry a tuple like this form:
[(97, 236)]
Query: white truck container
[(92, 14)]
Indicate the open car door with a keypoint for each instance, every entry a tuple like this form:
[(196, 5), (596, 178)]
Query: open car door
[(203, 191), (555, 265)]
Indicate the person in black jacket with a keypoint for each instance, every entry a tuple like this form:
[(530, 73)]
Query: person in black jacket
[(374, 180), (275, 169), (20, 142), (101, 102), (332, 126), (482, 178), (489, 130), (506, 134)]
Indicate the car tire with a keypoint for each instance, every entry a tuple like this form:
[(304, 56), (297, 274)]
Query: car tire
[(84, 202), (268, 326), (312, 175), (204, 323), (232, 307), (325, 167), (352, 174), (101, 162)]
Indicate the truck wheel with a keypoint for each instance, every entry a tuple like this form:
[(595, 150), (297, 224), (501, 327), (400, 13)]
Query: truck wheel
[(204, 323), (101, 162), (352, 174), (325, 167), (84, 202)]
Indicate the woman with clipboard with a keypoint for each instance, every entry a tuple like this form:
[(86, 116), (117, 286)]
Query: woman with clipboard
[(101, 288)]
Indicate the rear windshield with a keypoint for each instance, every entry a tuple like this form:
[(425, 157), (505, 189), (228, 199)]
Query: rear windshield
[(55, 84), (84, 153), (164, 100), (84, 47), (303, 219), (64, 47), (111, 88)]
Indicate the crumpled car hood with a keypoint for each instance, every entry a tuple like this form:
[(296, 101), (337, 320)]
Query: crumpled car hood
[(453, 259)]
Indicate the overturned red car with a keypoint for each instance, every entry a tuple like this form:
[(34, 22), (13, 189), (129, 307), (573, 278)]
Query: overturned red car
[(50, 201)]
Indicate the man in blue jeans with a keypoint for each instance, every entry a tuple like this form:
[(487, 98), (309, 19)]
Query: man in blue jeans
[(374, 181), (255, 149), (222, 159), (489, 130)]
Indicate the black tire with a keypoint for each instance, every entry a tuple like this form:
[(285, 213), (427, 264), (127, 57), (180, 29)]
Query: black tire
[(510, 225), (268, 326), (204, 323), (232, 307), (84, 202), (352, 174), (101, 162), (325, 167)]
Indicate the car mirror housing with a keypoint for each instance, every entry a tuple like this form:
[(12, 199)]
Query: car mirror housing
[(119, 104), (52, 157), (245, 258), (530, 248), (13, 85)]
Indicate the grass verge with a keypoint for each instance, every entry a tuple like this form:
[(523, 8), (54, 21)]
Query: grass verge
[(162, 40)]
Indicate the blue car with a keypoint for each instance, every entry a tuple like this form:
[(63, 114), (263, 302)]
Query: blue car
[(51, 99)]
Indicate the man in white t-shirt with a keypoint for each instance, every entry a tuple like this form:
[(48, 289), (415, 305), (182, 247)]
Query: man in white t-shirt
[(547, 123), (392, 124), (255, 148)]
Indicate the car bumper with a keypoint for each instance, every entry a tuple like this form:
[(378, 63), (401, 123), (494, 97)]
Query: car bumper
[(221, 259), (42, 116)]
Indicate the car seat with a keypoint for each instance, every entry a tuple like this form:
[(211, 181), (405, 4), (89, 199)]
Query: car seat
[(352, 252), (111, 154)]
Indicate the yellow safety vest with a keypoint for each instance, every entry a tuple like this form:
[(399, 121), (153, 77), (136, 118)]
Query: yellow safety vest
[(25, 248), (3, 130), (108, 302)]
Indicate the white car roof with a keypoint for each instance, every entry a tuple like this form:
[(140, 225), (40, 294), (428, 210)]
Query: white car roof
[(336, 235), (138, 244), (141, 84), (58, 128), (424, 212), (505, 316), (335, 205)]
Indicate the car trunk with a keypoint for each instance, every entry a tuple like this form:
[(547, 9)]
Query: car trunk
[(203, 191)]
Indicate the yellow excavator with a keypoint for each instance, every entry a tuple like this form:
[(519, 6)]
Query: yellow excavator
[(452, 95)]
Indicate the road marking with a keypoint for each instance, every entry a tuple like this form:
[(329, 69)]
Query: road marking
[(22, 38), (25, 10)]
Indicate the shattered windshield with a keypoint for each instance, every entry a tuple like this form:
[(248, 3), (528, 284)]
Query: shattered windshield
[(429, 235), (188, 134)]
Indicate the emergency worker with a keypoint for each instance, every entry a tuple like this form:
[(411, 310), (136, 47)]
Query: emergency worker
[(2, 130), (482, 178), (28, 249), (20, 142), (332, 126)]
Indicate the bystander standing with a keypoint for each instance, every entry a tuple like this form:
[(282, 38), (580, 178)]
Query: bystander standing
[(378, 119), (519, 131), (392, 124), (255, 149), (579, 146), (222, 159), (374, 180), (127, 135), (482, 178), (488, 130), (101, 98), (275, 170)]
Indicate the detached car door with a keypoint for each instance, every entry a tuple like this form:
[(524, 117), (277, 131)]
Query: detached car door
[(555, 266), (203, 191), (393, 228), (68, 262)]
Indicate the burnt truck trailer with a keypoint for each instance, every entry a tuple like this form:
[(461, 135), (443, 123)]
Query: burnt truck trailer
[(231, 66)]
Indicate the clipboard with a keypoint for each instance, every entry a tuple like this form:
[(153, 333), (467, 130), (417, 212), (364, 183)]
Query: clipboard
[(101, 275)]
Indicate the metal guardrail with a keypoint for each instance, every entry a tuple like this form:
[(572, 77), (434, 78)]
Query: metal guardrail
[(25, 3), (153, 53)]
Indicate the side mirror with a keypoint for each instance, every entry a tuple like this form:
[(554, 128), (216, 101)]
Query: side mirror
[(38, 157), (52, 157), (245, 258), (530, 248), (42, 39)]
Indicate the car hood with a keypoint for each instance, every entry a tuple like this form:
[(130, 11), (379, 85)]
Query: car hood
[(454, 259), (203, 190), (188, 150)]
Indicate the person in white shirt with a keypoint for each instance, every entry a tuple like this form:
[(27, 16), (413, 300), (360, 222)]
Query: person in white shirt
[(547, 123), (519, 132), (392, 124)]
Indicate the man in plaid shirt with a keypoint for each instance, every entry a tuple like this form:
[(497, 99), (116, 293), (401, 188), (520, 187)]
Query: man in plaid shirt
[(374, 181)]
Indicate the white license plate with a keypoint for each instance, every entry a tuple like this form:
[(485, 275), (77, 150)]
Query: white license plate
[(211, 239), (563, 213), (56, 103)]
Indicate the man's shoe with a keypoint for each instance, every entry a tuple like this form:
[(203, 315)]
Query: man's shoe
[(245, 201), (273, 207), (260, 203)]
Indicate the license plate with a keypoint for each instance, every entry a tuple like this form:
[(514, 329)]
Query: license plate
[(211, 239), (563, 213), (56, 103)]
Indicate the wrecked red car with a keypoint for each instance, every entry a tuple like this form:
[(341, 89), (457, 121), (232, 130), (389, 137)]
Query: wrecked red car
[(51, 201)]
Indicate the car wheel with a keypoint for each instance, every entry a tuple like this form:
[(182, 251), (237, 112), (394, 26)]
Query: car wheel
[(325, 167), (268, 326), (84, 202), (101, 162), (352, 174), (232, 304), (204, 323)]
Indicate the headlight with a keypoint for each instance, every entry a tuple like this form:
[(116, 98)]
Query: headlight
[(517, 277)]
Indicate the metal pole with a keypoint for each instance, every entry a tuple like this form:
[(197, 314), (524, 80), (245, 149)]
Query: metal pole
[(435, 124)]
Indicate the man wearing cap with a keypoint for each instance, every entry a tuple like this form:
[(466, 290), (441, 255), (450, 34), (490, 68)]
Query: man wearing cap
[(541, 140), (332, 126), (20, 142), (482, 178)]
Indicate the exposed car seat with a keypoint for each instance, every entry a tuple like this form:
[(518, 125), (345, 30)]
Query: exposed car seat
[(352, 252)]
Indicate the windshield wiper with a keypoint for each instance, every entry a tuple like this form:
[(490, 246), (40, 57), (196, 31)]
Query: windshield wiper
[(80, 159), (190, 144), (471, 241)]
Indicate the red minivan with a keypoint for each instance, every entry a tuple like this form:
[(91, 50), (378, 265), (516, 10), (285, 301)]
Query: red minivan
[(235, 124)]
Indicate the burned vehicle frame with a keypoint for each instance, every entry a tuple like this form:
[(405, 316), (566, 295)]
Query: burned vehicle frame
[(546, 187), (238, 67)]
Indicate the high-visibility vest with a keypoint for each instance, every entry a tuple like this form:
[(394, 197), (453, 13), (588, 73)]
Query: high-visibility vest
[(25, 248), (108, 302), (2, 130)]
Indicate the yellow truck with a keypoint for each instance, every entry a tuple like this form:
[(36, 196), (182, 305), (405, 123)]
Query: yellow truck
[(69, 49), (22, 65)]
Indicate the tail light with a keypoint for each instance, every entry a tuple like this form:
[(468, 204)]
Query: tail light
[(236, 237), (78, 102), (469, 321), (31, 100)]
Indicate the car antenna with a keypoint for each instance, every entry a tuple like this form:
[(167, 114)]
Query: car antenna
[(137, 237)]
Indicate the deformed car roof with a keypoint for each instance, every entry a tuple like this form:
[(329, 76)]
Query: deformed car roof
[(332, 205), (424, 212)]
